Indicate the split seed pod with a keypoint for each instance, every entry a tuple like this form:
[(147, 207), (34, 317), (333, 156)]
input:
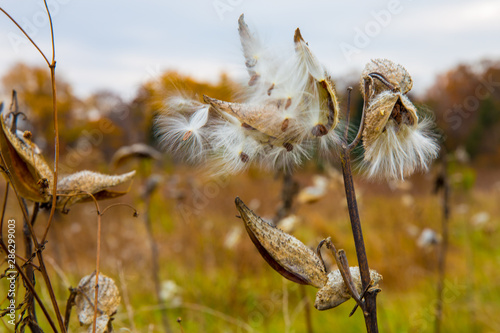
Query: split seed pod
[(108, 299), (296, 262), (268, 118), (335, 292), (396, 141), (320, 85), (290, 109), (28, 170)]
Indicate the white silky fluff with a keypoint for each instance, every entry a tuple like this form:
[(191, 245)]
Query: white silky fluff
[(229, 140), (284, 77), (399, 152), (172, 128)]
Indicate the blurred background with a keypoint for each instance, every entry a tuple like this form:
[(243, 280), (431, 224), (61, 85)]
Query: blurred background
[(118, 61)]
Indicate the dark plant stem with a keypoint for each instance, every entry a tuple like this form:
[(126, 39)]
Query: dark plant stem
[(27, 282), (69, 305), (288, 192), (444, 245), (43, 269), (155, 265), (370, 298), (29, 270), (370, 309)]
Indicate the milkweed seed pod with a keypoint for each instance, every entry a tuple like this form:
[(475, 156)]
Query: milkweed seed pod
[(296, 262), (28, 170), (283, 252), (108, 299), (78, 187), (290, 110), (335, 292), (396, 141)]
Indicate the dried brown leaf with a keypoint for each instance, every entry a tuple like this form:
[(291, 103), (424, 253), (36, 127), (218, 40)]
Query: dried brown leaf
[(108, 300)]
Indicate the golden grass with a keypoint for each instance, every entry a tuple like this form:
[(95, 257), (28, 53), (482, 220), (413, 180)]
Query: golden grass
[(231, 289)]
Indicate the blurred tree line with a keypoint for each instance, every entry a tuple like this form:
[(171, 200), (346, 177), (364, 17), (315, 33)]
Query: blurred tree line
[(465, 101)]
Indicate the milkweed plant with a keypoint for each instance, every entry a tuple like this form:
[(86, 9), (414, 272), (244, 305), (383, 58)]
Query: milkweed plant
[(290, 112)]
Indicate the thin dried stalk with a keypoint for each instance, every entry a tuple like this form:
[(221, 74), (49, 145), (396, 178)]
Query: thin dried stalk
[(155, 264), (442, 182), (39, 246)]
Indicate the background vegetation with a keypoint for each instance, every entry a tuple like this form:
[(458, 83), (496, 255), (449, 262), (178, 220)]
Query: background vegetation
[(212, 276)]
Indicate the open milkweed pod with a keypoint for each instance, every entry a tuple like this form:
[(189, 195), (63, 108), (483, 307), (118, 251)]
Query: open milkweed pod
[(335, 292), (283, 252), (270, 118), (325, 114), (28, 170), (395, 140)]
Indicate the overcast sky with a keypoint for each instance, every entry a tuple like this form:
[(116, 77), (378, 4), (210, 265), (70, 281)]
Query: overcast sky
[(118, 45)]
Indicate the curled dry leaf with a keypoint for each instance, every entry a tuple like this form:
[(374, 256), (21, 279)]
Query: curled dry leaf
[(335, 292), (108, 300), (285, 253), (76, 187)]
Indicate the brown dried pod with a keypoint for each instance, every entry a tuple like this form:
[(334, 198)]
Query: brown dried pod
[(335, 292), (396, 76), (108, 300), (384, 108), (267, 119), (388, 82), (77, 186), (322, 85), (25, 165), (395, 140), (283, 252)]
